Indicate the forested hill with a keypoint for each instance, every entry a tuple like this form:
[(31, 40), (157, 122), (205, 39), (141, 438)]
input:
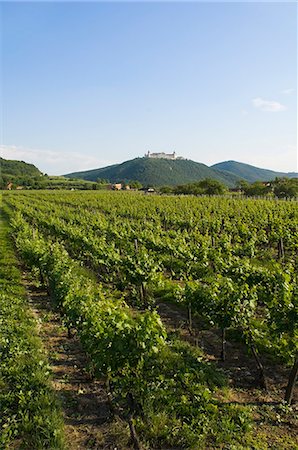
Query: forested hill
[(18, 174), (250, 173), (18, 168), (156, 172), (148, 171)]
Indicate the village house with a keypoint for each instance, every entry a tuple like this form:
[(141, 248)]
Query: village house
[(115, 187)]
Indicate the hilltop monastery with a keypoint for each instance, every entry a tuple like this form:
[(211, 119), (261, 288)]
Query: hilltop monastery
[(163, 155)]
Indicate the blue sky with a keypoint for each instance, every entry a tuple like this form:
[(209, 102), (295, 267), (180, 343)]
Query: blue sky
[(85, 85)]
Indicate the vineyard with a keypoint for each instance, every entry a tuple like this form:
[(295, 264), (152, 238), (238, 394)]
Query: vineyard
[(186, 309)]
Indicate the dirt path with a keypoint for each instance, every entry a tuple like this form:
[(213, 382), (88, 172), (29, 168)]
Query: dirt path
[(87, 416)]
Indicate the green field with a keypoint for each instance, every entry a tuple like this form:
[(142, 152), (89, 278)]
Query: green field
[(186, 307)]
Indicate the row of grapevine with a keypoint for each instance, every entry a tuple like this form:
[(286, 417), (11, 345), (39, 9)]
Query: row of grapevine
[(157, 384), (222, 221), (257, 294), (30, 415)]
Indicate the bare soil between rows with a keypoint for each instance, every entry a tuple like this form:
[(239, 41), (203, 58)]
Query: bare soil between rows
[(89, 423)]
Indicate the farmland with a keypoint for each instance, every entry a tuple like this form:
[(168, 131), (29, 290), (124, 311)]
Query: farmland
[(29, 412), (186, 309)]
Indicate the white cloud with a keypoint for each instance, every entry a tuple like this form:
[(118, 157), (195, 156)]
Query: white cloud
[(268, 105), (53, 162), (288, 91)]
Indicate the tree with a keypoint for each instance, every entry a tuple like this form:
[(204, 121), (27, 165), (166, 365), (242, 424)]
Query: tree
[(207, 186), (285, 187), (166, 190), (258, 188), (102, 181), (242, 185), (212, 187), (135, 184)]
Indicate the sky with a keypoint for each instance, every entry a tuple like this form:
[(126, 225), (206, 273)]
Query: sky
[(89, 84)]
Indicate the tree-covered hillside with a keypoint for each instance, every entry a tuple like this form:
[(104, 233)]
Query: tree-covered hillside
[(18, 168), (18, 173), (156, 172), (15, 174), (250, 173)]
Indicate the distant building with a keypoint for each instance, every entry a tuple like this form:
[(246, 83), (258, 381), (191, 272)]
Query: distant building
[(116, 186), (163, 155), (149, 191)]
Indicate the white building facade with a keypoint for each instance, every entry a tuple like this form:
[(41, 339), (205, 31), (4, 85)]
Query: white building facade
[(162, 155)]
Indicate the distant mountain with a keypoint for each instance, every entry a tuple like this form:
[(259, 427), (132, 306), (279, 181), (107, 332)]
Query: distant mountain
[(15, 174), (18, 168), (148, 171), (250, 173), (156, 172)]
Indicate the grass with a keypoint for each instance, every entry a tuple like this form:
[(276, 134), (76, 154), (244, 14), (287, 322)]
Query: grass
[(30, 417)]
